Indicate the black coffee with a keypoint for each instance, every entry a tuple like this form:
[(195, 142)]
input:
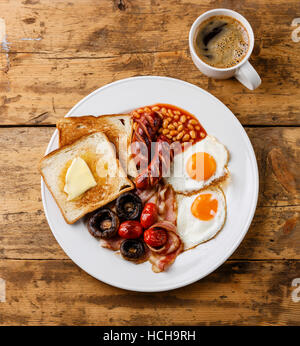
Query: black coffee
[(221, 41)]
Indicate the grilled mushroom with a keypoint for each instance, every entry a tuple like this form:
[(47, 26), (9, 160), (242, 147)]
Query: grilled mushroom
[(129, 206), (103, 224), (132, 249)]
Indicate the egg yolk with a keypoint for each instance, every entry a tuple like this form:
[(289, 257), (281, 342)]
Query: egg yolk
[(201, 166), (204, 207)]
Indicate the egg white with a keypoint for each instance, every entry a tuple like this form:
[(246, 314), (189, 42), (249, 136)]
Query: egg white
[(179, 178), (193, 231)]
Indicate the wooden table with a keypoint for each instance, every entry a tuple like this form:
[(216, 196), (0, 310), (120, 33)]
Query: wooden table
[(53, 53)]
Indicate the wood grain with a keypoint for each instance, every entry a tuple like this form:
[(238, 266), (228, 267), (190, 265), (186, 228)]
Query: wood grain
[(25, 234), (91, 28), (277, 152), (274, 234), (40, 90), (58, 292), (55, 56), (52, 54)]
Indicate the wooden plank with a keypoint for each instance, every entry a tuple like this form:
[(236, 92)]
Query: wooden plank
[(276, 149), (274, 234), (277, 154), (243, 293), (25, 234), (40, 90), (110, 28), (51, 56)]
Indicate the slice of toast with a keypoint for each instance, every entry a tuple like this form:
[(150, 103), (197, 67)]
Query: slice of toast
[(117, 128), (96, 150)]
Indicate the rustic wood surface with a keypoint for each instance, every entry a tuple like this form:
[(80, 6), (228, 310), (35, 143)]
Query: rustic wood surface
[(53, 53)]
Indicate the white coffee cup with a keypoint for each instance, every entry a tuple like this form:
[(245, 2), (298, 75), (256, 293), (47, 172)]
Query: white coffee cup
[(243, 71)]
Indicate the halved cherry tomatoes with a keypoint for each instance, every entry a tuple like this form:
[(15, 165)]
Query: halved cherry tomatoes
[(149, 215), (130, 230), (155, 237)]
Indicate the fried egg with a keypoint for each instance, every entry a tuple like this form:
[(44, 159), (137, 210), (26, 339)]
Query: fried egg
[(198, 166), (201, 216)]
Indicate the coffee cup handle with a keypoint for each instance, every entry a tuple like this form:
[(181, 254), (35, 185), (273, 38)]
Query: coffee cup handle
[(247, 75)]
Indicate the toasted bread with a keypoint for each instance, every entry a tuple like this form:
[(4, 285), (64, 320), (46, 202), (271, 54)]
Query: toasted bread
[(117, 128), (96, 150)]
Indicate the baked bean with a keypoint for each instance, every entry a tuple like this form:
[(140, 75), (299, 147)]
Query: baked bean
[(180, 128), (183, 118), (155, 109), (180, 135), (165, 123), (176, 125), (186, 137)]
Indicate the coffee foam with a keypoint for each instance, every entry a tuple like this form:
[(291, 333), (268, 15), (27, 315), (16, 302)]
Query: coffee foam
[(228, 47)]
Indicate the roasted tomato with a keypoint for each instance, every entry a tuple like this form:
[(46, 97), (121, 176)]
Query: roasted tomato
[(149, 215), (130, 230), (155, 237)]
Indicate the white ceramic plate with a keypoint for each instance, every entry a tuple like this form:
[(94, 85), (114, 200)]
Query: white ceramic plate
[(241, 194)]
